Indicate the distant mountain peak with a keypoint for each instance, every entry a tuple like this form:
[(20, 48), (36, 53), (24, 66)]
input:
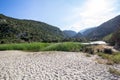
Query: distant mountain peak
[(69, 33)]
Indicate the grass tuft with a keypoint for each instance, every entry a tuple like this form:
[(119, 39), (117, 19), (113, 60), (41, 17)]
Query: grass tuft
[(114, 71), (88, 55), (113, 58)]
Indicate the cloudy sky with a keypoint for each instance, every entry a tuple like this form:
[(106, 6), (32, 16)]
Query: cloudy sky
[(65, 14)]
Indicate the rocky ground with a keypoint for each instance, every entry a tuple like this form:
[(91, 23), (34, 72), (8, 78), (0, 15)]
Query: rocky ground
[(18, 65)]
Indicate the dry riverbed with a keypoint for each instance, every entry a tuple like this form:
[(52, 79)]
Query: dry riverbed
[(18, 65)]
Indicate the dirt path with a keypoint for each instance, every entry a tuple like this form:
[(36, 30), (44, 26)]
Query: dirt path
[(17, 65)]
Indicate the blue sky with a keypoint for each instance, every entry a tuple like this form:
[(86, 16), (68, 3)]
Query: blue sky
[(65, 14)]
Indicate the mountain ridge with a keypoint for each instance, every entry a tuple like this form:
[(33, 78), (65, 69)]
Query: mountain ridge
[(23, 30), (69, 33), (104, 29)]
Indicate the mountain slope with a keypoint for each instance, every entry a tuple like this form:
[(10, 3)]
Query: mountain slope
[(69, 33), (88, 31), (80, 36), (105, 29), (16, 30), (115, 39)]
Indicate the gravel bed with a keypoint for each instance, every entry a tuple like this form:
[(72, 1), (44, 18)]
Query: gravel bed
[(18, 65)]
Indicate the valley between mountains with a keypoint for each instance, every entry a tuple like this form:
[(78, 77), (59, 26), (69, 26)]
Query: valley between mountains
[(34, 50)]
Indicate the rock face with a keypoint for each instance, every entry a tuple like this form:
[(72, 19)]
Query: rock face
[(16, 65)]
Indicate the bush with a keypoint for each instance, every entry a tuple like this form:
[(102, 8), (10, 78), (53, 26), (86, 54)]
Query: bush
[(113, 58), (88, 49), (114, 71), (108, 51), (88, 55)]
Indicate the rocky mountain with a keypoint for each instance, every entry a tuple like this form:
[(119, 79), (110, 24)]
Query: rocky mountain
[(80, 36), (104, 29), (87, 31), (18, 30), (69, 33)]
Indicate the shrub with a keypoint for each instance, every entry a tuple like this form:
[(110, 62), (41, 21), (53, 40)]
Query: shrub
[(113, 58), (108, 51), (114, 71), (88, 49), (88, 55)]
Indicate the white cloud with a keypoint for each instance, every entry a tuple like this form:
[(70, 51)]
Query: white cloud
[(91, 14)]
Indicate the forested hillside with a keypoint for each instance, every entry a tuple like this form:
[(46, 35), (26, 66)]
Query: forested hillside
[(115, 38), (15, 30), (69, 33), (104, 29)]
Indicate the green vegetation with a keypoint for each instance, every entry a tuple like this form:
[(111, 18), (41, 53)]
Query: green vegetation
[(105, 29), (88, 49), (24, 46), (16, 31), (65, 46), (116, 38), (114, 71), (88, 55), (112, 58), (105, 53), (108, 37)]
